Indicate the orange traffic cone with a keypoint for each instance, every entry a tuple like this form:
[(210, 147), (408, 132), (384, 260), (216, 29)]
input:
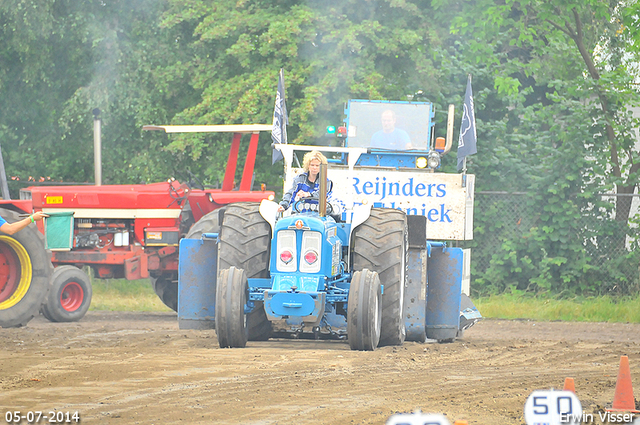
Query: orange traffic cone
[(623, 400), (569, 385)]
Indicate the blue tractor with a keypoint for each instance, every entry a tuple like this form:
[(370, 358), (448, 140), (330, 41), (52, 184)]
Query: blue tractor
[(300, 280), (360, 266)]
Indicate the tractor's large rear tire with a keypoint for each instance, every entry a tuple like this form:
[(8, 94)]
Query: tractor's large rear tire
[(209, 223), (69, 295), (245, 242), (380, 244), (166, 288), (166, 285), (25, 267), (364, 311), (231, 297)]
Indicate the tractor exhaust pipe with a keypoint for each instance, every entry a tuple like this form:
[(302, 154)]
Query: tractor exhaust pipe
[(322, 202), (3, 179), (97, 147)]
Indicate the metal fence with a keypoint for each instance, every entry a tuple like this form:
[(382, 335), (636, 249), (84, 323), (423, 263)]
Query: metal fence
[(502, 221)]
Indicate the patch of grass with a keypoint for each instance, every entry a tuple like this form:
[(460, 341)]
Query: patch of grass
[(600, 309), (138, 295), (125, 295)]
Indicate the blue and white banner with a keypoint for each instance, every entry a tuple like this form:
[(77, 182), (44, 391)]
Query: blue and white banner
[(468, 138), (280, 120), (446, 200)]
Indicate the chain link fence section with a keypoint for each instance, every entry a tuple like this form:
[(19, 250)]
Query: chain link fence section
[(612, 247), (498, 216)]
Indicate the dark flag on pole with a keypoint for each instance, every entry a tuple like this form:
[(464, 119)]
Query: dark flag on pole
[(280, 120), (468, 137)]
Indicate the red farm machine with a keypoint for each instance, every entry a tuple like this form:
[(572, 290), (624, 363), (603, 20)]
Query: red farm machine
[(119, 231)]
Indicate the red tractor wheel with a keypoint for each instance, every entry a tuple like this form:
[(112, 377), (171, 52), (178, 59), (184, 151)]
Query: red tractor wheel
[(25, 267), (69, 296)]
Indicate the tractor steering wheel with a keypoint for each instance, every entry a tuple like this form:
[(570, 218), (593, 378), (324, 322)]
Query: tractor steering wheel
[(298, 205), (191, 180), (194, 181)]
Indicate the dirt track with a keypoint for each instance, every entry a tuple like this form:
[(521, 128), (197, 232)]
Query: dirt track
[(130, 368)]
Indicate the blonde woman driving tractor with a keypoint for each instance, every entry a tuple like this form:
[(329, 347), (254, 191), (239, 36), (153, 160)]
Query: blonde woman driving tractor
[(307, 183)]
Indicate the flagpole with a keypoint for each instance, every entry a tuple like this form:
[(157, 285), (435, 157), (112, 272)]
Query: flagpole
[(283, 125), (467, 139), (280, 120), (464, 164)]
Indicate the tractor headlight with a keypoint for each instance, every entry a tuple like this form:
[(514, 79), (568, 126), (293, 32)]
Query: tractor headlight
[(311, 256), (421, 162), (433, 161), (286, 251), (286, 256), (312, 248)]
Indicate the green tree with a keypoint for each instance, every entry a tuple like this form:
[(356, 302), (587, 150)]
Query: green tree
[(331, 51), (563, 70), (178, 62), (42, 60), (548, 52), (60, 60)]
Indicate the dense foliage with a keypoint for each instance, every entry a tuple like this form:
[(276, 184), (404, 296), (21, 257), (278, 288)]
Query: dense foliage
[(554, 84), (569, 68)]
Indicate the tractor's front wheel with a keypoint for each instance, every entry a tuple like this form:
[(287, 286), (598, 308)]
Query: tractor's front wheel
[(69, 295), (25, 267), (364, 311), (231, 297), (380, 244)]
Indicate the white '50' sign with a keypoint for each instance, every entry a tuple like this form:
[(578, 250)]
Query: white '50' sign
[(553, 408)]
